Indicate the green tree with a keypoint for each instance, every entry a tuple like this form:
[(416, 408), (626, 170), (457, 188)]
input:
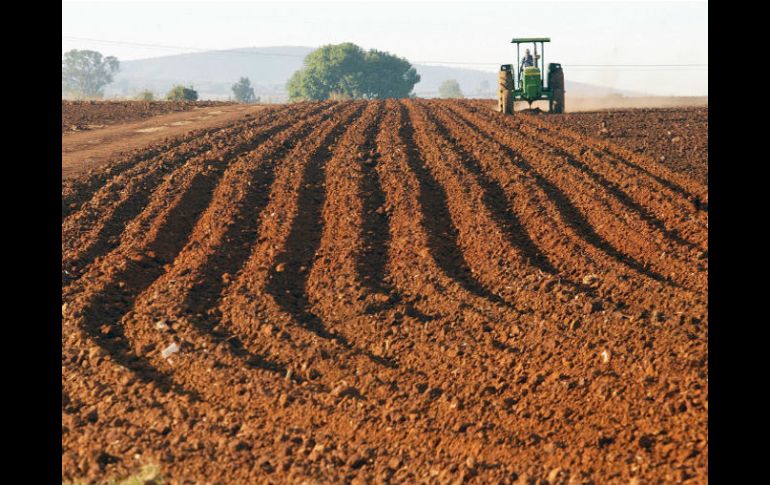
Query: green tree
[(332, 68), (84, 73), (181, 93), (388, 76), (295, 85), (346, 71), (243, 91), (450, 89)]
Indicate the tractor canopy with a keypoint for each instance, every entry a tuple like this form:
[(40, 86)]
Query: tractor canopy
[(523, 40)]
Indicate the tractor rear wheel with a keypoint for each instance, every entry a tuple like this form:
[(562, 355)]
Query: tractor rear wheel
[(505, 102), (556, 83), (504, 87), (557, 103)]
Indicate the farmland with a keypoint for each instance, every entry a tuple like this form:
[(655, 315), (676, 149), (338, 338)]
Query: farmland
[(675, 137), (392, 292)]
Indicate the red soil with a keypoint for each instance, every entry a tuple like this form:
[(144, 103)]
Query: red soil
[(390, 292), (675, 137)]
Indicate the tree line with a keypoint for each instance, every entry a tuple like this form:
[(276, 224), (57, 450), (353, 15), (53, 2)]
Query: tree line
[(85, 73), (341, 71)]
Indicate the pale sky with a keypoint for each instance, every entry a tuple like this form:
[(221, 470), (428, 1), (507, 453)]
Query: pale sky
[(606, 43)]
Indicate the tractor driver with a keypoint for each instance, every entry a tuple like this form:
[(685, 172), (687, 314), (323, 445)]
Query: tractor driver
[(527, 60)]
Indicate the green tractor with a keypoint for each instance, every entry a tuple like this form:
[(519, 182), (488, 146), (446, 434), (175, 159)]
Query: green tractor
[(527, 83)]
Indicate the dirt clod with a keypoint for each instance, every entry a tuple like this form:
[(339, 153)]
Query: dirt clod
[(590, 279)]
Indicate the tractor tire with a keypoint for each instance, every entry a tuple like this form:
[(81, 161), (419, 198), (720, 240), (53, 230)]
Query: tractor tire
[(504, 95), (557, 103), (505, 102), (556, 83)]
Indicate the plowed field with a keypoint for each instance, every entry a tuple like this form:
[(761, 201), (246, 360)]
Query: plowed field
[(387, 292), (676, 138)]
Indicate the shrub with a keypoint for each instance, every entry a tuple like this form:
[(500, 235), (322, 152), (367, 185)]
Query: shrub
[(145, 95), (450, 89), (243, 91), (181, 93)]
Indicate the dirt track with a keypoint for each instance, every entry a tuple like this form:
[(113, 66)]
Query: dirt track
[(88, 150), (93, 115), (403, 292)]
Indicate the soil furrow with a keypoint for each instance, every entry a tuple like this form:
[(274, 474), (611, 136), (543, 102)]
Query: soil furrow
[(662, 195), (674, 182), (186, 297), (442, 233), (434, 349), (77, 191), (429, 296), (542, 218), (676, 138), (621, 216), (412, 267), (696, 193), (101, 305), (553, 318), (276, 311), (389, 291), (663, 210), (95, 229), (141, 161), (180, 370), (148, 243), (288, 278), (496, 202), (625, 232), (572, 215), (530, 205), (502, 265), (354, 239), (372, 259)]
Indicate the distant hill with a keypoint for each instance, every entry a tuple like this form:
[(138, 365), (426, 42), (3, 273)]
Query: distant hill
[(212, 73)]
